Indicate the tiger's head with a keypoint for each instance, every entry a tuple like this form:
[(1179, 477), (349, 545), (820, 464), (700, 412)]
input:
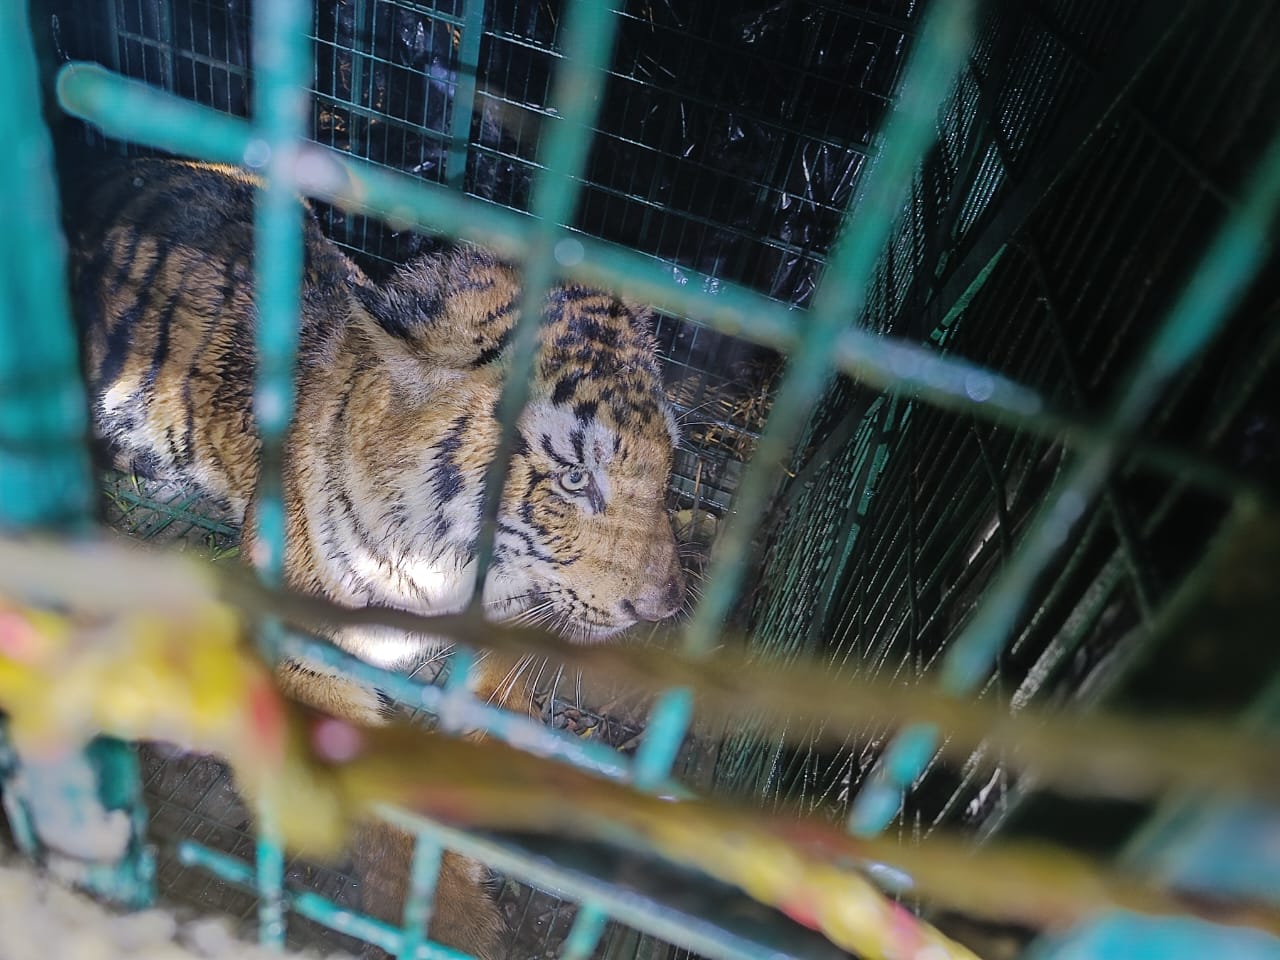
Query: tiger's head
[(584, 545)]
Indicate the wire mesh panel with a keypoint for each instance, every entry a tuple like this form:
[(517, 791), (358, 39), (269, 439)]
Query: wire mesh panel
[(1072, 195), (727, 143), (740, 176), (1071, 187)]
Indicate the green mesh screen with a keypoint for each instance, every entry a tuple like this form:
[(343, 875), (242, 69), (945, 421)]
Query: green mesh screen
[(1082, 179), (729, 144), (1074, 183)]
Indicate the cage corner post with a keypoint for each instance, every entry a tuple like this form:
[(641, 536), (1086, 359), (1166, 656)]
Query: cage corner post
[(80, 814)]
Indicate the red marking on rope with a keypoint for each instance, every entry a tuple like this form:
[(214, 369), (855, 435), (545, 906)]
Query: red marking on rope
[(266, 717), (336, 741), (802, 912), (18, 639)]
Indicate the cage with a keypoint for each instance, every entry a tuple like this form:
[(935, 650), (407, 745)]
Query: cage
[(1018, 394)]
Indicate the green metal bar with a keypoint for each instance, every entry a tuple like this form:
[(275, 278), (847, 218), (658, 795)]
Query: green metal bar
[(842, 294), (588, 928), (464, 93), (127, 109), (312, 905), (44, 465), (423, 873), (467, 713), (587, 34), (1230, 263), (281, 107), (628, 908), (663, 734), (282, 52), (45, 478)]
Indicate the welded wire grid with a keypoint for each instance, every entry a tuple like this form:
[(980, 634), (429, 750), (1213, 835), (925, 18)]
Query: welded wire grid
[(971, 526), (729, 142), (895, 564)]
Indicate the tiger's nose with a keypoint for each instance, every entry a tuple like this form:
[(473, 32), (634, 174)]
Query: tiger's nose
[(663, 592)]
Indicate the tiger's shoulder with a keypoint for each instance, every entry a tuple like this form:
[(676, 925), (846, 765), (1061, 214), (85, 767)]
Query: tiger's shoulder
[(162, 283)]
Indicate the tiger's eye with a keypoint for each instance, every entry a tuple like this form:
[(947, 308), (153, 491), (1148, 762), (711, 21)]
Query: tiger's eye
[(574, 479)]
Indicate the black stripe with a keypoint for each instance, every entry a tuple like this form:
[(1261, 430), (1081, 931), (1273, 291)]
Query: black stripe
[(119, 338), (211, 327), (160, 352), (363, 534), (566, 386), (533, 547), (490, 354), (550, 451), (505, 310)]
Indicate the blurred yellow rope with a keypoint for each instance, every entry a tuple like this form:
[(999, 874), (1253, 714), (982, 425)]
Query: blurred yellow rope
[(1094, 754), (143, 646)]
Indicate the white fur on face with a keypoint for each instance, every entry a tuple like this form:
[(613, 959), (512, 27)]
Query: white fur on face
[(572, 443)]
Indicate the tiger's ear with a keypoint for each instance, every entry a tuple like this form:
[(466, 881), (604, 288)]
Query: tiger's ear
[(453, 311), (373, 299), (403, 311)]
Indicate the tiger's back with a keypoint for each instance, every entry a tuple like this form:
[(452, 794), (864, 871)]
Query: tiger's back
[(162, 284)]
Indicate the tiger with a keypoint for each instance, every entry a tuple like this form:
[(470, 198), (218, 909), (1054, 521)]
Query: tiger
[(397, 389)]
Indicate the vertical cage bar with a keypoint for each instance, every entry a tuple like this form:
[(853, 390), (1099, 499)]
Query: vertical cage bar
[(168, 46), (282, 54), (1204, 305), (840, 297), (588, 31), (44, 464), (423, 874), (45, 480), (464, 93), (588, 928)]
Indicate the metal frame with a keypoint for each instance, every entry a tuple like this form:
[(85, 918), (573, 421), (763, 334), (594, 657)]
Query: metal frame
[(44, 477)]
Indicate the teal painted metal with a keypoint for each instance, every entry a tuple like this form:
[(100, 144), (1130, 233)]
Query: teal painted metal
[(44, 464), (84, 813), (116, 104), (1213, 289), (464, 92), (131, 110), (423, 873), (588, 927), (1220, 845), (469, 713), (312, 906), (664, 732), (282, 54), (631, 910), (1135, 937), (587, 33), (838, 302), (53, 806)]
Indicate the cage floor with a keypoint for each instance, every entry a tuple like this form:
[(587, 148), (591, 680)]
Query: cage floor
[(40, 917)]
